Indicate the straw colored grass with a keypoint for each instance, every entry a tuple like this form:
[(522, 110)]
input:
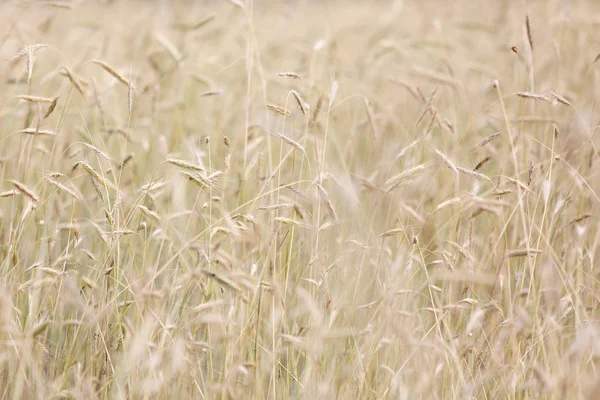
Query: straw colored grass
[(299, 200)]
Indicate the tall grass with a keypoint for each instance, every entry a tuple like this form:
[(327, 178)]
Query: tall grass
[(261, 199)]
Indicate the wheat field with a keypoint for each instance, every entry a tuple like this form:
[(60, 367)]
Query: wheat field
[(257, 199)]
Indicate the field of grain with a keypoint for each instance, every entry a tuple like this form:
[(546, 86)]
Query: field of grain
[(258, 199)]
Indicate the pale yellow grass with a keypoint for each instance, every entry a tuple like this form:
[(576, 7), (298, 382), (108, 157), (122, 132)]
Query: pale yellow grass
[(299, 200)]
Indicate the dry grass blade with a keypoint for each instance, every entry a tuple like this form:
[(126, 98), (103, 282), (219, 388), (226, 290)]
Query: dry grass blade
[(211, 93), (98, 152), (519, 184), (125, 161), (473, 174), (449, 202), (301, 102), (489, 139), (186, 165), (292, 75), (475, 323), (332, 92), (37, 283), (74, 80), (582, 218), (405, 85), (410, 146), (371, 117), (447, 161), (522, 252), (98, 189), (29, 52), (436, 77), (68, 5), (224, 281), (278, 109), (40, 328), (210, 246), (238, 3), (130, 91), (275, 207), (482, 163), (96, 177), (528, 28), (170, 47), (112, 71), (543, 379), (530, 173), (26, 50), (289, 141), (51, 107), (149, 213), (330, 207), (464, 275), (65, 189), (315, 116), (287, 221), (534, 96), (35, 99), (152, 186), (561, 99), (37, 132), (21, 187), (195, 25), (9, 193), (392, 232), (198, 179), (30, 62), (428, 106), (396, 180)]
